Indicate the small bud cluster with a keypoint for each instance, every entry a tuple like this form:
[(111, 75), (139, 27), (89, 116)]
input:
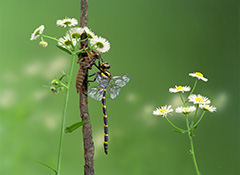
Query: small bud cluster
[(57, 85)]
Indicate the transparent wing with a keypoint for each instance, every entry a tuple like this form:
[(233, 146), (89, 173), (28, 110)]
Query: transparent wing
[(120, 80), (96, 92), (102, 81), (113, 91)]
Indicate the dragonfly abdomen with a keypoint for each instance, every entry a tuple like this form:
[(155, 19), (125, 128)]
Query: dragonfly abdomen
[(105, 122)]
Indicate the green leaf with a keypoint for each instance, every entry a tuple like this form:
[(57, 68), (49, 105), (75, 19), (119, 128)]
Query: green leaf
[(64, 49), (47, 166), (75, 126), (179, 131)]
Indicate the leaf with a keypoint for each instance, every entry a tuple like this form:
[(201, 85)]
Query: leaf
[(64, 49), (47, 166), (75, 126), (179, 131)]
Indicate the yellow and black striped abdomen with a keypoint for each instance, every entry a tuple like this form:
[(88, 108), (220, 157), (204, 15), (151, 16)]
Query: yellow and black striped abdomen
[(105, 122)]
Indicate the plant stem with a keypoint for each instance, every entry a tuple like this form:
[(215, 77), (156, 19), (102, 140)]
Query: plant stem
[(182, 98), (55, 39), (195, 115), (199, 119), (192, 147), (64, 117), (176, 126), (194, 86)]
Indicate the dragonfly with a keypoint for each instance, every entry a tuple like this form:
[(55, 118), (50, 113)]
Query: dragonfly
[(107, 86)]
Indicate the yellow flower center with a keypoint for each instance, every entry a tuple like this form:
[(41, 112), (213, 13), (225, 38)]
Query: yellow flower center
[(179, 88), (163, 111), (186, 110), (199, 100), (199, 74)]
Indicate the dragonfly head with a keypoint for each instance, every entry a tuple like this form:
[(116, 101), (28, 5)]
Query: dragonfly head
[(104, 66)]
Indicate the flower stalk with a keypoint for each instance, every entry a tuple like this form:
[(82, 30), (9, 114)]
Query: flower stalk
[(64, 118), (190, 135)]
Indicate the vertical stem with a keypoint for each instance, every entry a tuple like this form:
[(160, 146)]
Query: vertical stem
[(195, 115), (192, 147), (194, 86), (64, 117), (87, 128)]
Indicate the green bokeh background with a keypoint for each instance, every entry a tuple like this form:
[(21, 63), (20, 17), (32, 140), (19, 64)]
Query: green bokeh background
[(158, 42)]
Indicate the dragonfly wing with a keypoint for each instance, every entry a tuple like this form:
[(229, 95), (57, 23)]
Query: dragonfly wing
[(96, 93), (120, 80), (102, 81), (113, 91)]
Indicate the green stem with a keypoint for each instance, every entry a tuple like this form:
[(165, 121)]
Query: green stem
[(63, 118), (194, 86), (182, 98), (183, 130), (55, 39), (192, 147), (79, 51), (199, 119), (195, 115)]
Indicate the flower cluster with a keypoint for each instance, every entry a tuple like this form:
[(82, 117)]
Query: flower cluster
[(71, 41), (57, 85), (198, 100)]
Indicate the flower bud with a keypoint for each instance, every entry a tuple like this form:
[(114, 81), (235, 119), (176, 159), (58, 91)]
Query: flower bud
[(43, 43), (54, 90), (55, 82)]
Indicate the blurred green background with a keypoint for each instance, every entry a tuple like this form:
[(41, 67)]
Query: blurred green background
[(158, 42)]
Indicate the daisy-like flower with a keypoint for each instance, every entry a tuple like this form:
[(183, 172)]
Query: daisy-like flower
[(198, 75), (164, 110), (67, 41), (198, 99), (101, 44), (208, 108), (185, 110), (76, 32), (179, 89), (67, 22), (37, 32), (90, 34)]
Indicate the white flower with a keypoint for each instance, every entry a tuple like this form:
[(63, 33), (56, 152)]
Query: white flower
[(198, 75), (208, 107), (37, 32), (67, 22), (179, 89), (90, 34), (76, 32), (198, 99), (101, 44), (67, 41), (185, 110), (164, 110)]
